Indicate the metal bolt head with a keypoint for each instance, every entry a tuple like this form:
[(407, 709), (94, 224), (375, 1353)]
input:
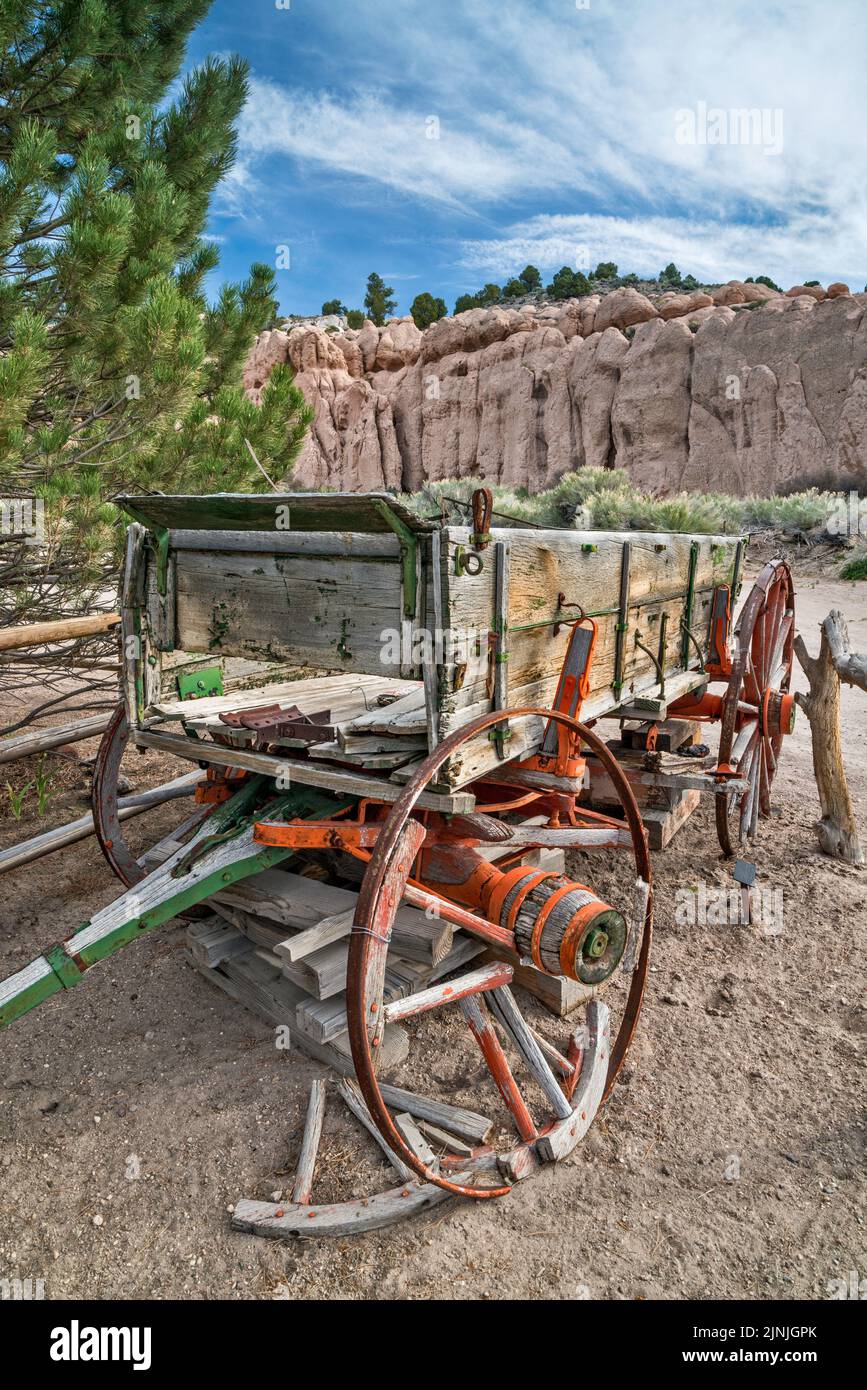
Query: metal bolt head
[(596, 944)]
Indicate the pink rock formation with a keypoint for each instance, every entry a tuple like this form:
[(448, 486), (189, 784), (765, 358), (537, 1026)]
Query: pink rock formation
[(690, 391), (814, 291)]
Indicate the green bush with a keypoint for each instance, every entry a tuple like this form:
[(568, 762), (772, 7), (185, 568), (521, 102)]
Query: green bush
[(465, 302), (530, 278), (763, 280), (855, 569), (354, 318), (513, 289), (568, 284), (605, 500), (606, 270), (426, 310)]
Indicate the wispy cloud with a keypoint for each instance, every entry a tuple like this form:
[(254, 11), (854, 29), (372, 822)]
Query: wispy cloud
[(711, 250), (500, 109)]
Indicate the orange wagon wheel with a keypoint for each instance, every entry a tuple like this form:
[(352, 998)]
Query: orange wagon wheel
[(758, 708), (386, 878)]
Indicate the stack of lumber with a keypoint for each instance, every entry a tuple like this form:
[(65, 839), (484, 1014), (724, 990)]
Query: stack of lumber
[(657, 776), (279, 943)]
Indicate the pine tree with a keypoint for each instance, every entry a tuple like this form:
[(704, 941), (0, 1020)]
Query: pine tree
[(425, 310), (116, 374), (379, 300)]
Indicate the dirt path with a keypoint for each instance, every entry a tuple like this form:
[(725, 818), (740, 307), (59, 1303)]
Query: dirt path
[(729, 1162)]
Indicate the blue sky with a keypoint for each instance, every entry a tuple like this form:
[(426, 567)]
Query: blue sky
[(445, 143)]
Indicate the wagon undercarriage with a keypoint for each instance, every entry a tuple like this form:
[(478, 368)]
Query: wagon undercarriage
[(425, 794)]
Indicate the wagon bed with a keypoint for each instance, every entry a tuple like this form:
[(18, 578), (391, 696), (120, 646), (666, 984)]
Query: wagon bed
[(452, 623)]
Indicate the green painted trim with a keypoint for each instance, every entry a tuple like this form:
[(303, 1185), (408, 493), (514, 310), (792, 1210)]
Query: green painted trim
[(686, 622), (408, 555), (246, 805)]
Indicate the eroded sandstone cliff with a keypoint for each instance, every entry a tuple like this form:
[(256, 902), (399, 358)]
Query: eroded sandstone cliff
[(688, 391)]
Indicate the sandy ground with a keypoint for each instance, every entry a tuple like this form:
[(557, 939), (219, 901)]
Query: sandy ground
[(728, 1163)]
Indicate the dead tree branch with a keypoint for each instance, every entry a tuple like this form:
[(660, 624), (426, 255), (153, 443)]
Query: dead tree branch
[(838, 828)]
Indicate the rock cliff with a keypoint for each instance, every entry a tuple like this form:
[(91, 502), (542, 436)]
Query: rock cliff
[(746, 390)]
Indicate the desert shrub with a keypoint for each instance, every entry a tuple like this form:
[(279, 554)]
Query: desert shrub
[(855, 569), (514, 288), (604, 499)]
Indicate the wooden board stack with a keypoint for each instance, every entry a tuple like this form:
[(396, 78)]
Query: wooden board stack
[(279, 943), (375, 723)]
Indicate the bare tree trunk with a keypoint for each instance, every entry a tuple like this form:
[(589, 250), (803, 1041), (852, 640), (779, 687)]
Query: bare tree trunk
[(838, 829)]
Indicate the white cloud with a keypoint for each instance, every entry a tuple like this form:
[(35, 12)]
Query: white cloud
[(577, 109), (711, 250)]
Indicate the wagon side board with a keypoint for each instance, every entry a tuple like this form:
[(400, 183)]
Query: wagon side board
[(666, 577)]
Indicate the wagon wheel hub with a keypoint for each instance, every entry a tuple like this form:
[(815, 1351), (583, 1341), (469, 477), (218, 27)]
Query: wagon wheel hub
[(596, 944)]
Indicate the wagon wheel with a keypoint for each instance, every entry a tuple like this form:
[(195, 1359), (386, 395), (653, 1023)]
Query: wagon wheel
[(107, 823), (381, 893), (758, 710)]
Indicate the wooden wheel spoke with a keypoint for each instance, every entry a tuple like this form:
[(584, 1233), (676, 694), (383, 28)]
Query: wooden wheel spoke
[(779, 654), (751, 689), (744, 740), (482, 1028), (750, 774), (502, 1004)]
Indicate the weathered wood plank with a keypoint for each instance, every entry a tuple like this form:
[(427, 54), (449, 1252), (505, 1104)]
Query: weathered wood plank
[(465, 1124), (415, 1140), (343, 1218), (307, 774), (355, 1102), (302, 1189)]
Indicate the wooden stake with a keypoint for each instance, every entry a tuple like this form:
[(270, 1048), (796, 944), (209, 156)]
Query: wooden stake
[(41, 740), (303, 1188), (838, 829)]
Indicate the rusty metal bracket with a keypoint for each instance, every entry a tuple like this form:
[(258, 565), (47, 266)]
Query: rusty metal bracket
[(67, 970)]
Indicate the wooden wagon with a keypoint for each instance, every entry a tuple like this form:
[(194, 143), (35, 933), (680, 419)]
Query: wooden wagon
[(400, 723)]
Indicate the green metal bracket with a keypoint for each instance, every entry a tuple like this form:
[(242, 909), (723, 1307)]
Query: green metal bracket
[(68, 972), (196, 685), (686, 623), (408, 554)]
